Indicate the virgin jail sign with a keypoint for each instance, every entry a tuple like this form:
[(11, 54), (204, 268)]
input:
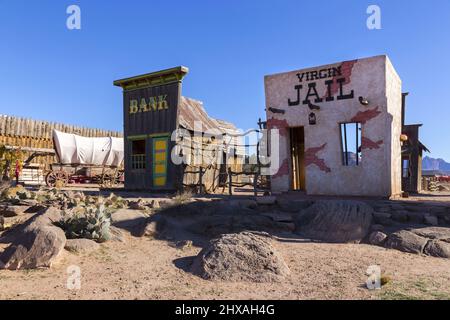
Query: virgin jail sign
[(337, 80)]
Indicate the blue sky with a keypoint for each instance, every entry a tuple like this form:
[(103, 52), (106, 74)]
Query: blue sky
[(51, 73)]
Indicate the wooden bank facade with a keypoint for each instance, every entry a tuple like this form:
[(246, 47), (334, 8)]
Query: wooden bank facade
[(153, 108)]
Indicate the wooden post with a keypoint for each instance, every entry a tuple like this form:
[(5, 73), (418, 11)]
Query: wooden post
[(255, 184), (230, 181), (201, 180)]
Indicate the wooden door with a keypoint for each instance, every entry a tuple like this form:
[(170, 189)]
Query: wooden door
[(297, 148), (160, 157)]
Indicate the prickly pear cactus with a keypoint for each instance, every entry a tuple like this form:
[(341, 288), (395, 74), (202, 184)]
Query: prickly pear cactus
[(91, 222)]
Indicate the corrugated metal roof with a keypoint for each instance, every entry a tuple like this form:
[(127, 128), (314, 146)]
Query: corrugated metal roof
[(192, 110)]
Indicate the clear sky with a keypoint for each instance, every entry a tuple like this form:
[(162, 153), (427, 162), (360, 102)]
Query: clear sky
[(51, 73)]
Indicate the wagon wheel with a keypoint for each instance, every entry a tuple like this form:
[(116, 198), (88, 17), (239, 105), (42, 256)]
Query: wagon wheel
[(110, 179), (56, 179)]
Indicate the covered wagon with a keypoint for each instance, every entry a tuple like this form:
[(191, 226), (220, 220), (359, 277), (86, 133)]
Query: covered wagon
[(86, 160)]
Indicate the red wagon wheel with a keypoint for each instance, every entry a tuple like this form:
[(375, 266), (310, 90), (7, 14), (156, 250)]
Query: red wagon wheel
[(56, 179)]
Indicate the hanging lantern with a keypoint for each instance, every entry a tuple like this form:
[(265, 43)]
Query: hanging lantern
[(403, 138), (312, 118)]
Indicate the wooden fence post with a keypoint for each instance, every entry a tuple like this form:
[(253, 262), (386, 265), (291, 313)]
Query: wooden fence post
[(230, 181), (255, 184), (201, 180)]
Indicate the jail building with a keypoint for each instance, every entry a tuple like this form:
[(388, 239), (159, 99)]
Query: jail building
[(171, 143), (340, 129)]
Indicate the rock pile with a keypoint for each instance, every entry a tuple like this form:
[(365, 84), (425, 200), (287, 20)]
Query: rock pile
[(389, 213), (431, 241)]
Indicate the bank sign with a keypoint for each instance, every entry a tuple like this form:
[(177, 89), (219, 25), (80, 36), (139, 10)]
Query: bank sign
[(156, 103), (334, 79), (151, 110)]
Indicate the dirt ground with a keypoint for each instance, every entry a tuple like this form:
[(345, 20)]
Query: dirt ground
[(142, 268), (145, 268)]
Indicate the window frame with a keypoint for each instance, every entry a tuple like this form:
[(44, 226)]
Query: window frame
[(344, 153), (138, 160)]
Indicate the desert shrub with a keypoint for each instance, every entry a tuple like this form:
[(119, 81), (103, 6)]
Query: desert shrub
[(114, 202), (90, 222), (181, 198), (385, 279), (8, 160), (14, 194)]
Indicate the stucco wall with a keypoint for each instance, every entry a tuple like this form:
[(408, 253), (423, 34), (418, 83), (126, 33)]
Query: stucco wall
[(325, 173), (394, 99)]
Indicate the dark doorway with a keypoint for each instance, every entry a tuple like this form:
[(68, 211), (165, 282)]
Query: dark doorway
[(223, 175), (297, 138)]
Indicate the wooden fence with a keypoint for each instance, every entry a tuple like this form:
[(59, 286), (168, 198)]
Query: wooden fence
[(35, 134)]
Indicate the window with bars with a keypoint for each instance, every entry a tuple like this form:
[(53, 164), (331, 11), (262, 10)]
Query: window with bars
[(405, 168), (138, 155), (351, 143)]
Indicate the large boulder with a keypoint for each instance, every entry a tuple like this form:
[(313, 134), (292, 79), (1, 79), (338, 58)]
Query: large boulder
[(36, 244), (377, 238), (336, 221), (240, 257), (406, 241), (437, 248)]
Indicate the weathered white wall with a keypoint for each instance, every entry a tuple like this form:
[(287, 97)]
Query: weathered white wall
[(378, 173), (394, 103)]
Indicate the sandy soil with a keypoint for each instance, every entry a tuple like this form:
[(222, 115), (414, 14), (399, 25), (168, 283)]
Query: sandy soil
[(142, 268)]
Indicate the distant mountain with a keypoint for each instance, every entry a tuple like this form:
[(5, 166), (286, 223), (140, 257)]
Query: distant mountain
[(429, 163)]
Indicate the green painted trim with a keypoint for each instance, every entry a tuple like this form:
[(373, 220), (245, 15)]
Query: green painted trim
[(157, 135), (134, 88), (145, 136), (154, 140), (138, 137), (153, 79)]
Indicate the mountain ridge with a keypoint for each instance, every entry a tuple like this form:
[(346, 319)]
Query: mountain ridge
[(429, 163)]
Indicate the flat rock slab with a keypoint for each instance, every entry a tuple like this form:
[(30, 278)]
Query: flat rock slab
[(266, 200), (336, 221), (128, 218), (244, 203), (439, 233), (293, 205), (81, 245), (278, 216), (12, 211)]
